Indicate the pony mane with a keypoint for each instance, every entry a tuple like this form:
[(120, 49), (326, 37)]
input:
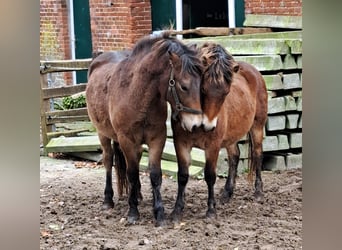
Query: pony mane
[(189, 57), (218, 63)]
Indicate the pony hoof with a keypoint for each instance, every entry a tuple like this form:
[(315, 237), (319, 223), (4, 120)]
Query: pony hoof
[(160, 223), (211, 214), (107, 205), (259, 197), (176, 217), (133, 217), (225, 198)]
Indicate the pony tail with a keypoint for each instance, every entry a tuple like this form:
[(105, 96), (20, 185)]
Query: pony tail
[(251, 161), (120, 170)]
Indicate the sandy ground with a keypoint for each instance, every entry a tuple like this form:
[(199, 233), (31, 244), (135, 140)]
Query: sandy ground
[(71, 217)]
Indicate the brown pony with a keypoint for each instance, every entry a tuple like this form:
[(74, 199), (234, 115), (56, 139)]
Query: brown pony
[(234, 103), (127, 99)]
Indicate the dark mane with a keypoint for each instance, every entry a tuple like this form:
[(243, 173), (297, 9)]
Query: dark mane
[(189, 57), (218, 61)]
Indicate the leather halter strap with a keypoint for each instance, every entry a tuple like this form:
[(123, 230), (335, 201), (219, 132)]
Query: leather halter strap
[(179, 106)]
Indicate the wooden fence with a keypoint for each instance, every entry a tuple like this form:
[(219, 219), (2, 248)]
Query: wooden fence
[(49, 117)]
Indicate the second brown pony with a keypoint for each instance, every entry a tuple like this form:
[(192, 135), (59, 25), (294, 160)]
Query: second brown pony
[(127, 99), (234, 103)]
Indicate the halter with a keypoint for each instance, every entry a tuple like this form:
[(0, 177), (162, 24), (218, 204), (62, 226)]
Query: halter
[(179, 106)]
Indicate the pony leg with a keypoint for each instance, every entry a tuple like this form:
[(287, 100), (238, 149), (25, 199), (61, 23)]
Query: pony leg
[(155, 151), (183, 159), (108, 153), (210, 178), (256, 161), (132, 155), (233, 160)]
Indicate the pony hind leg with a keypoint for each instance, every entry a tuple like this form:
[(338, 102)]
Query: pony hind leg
[(211, 156), (233, 161), (256, 134), (132, 155), (107, 155)]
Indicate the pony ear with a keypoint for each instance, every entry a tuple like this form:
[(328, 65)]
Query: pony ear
[(193, 46), (173, 57), (236, 67)]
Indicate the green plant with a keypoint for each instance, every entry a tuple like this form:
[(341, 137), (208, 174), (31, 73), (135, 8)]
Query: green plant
[(70, 102)]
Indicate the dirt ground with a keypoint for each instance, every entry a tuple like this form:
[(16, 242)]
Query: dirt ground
[(71, 195)]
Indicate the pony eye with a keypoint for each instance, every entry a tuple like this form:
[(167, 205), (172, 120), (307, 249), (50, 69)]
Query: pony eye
[(183, 88)]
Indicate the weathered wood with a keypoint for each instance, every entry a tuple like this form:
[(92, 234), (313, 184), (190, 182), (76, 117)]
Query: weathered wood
[(64, 65), (63, 91), (289, 62), (220, 31), (291, 81), (283, 142), (276, 122), (66, 119), (273, 21), (276, 105), (290, 103), (295, 140), (263, 62), (69, 112), (73, 144), (67, 133), (273, 82), (270, 143), (293, 161), (274, 162), (44, 106), (292, 121)]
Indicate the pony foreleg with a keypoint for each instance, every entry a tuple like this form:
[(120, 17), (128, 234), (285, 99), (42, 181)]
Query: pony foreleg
[(183, 159), (210, 178), (155, 152), (233, 161), (107, 155)]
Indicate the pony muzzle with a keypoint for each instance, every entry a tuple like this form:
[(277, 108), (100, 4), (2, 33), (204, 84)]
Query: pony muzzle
[(207, 124), (190, 121)]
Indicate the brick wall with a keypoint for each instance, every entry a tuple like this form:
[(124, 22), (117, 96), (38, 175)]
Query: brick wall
[(119, 24), (54, 36), (274, 7)]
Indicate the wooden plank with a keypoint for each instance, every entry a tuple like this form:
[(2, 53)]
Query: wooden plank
[(292, 121), (67, 133), (63, 91), (274, 162), (276, 105), (220, 31), (66, 119), (291, 81), (69, 112), (293, 161), (273, 21), (263, 62), (64, 65), (276, 122), (289, 62), (283, 142), (273, 82), (290, 103), (270, 143), (44, 106), (73, 144)]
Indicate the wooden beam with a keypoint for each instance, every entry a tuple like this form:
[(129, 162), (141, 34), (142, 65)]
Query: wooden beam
[(66, 119), (220, 31), (69, 112), (273, 21), (63, 91), (64, 65)]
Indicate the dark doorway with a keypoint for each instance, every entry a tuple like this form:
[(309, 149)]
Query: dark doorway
[(83, 42)]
